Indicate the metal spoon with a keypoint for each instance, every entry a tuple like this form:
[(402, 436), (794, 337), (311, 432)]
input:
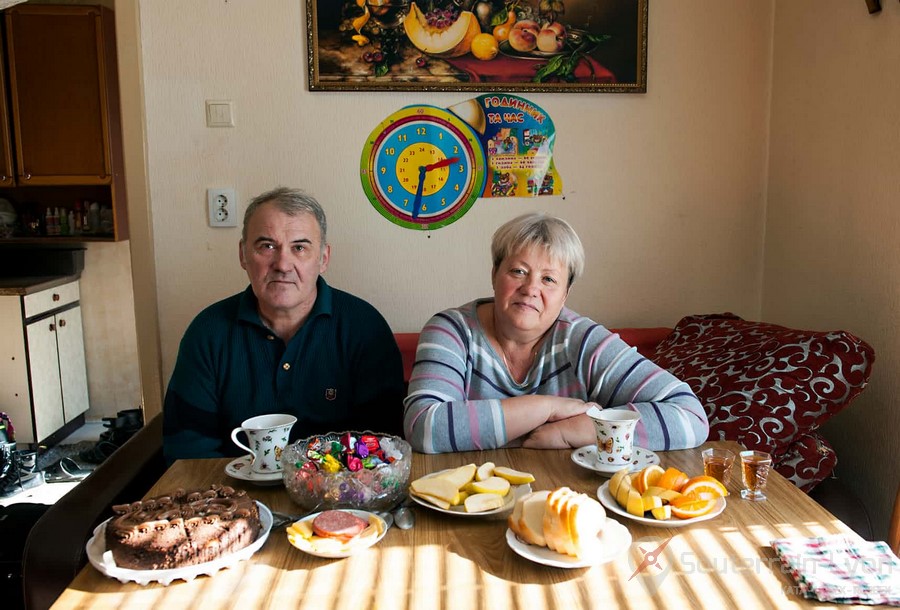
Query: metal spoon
[(388, 519), (404, 518)]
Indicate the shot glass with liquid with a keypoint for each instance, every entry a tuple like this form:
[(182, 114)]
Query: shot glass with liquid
[(717, 463), (755, 467)]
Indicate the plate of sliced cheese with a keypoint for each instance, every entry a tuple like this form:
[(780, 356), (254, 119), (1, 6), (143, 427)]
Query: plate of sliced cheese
[(471, 490), (564, 529)]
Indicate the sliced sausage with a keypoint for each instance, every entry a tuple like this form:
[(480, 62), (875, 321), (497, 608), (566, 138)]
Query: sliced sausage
[(338, 524)]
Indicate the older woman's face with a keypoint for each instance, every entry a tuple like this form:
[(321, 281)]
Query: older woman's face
[(530, 289)]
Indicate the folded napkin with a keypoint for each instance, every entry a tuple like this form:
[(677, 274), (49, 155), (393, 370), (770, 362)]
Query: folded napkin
[(842, 569)]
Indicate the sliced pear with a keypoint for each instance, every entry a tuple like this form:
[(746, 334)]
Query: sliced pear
[(616, 480), (459, 476), (666, 494), (484, 471), (651, 502), (623, 492), (516, 477), (635, 505), (491, 485), (479, 503)]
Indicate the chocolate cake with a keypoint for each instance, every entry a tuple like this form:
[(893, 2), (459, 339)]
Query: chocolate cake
[(181, 529)]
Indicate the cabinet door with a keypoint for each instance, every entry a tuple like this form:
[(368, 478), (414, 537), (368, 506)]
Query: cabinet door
[(46, 390), (6, 168), (72, 369), (59, 95)]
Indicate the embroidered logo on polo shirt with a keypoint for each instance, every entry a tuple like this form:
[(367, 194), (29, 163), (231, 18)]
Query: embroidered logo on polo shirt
[(330, 393)]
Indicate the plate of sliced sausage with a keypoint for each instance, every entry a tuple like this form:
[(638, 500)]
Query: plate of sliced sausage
[(333, 534)]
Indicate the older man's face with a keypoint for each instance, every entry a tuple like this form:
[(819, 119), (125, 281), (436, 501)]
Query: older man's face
[(283, 256)]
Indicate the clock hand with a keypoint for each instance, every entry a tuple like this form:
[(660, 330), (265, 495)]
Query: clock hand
[(417, 202), (424, 169), (442, 163)]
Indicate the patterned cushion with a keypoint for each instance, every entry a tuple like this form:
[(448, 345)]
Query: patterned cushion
[(807, 462), (763, 385)]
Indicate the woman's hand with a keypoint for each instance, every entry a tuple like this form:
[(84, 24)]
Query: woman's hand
[(567, 433), (564, 408)]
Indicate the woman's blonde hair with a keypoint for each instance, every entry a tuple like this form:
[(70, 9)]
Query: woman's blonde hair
[(553, 234)]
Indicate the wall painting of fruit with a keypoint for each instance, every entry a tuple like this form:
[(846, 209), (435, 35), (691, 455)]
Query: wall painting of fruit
[(423, 167), (580, 46)]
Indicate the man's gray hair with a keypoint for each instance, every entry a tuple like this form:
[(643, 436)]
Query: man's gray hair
[(292, 202), (555, 235)]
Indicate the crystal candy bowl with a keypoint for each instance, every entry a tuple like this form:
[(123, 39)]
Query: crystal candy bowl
[(377, 488)]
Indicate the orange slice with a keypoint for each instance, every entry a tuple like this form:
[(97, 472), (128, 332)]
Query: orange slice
[(648, 477), (696, 508), (705, 486), (672, 478)]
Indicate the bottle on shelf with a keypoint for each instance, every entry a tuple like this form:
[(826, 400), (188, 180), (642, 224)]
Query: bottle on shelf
[(76, 224), (86, 226), (63, 222)]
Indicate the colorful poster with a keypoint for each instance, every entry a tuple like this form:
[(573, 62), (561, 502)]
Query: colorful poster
[(517, 136)]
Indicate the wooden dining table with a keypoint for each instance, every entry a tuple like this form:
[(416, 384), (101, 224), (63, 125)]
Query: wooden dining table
[(463, 562)]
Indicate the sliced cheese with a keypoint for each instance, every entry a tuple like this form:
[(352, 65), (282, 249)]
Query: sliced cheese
[(437, 487)]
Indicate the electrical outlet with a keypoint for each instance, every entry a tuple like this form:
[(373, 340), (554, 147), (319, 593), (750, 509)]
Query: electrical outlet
[(222, 204)]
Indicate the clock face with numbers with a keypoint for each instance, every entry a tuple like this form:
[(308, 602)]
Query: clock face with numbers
[(423, 167)]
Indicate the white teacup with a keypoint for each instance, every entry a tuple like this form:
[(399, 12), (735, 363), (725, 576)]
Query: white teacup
[(615, 434), (268, 436)]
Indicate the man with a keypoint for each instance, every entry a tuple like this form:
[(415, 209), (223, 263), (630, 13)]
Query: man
[(289, 343)]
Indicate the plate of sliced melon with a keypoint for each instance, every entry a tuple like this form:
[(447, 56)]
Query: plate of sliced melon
[(471, 490)]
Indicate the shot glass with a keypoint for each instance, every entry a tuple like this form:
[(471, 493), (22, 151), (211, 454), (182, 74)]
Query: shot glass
[(755, 472), (717, 463)]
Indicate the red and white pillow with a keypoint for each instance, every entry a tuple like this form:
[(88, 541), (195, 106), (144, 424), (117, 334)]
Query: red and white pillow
[(769, 387)]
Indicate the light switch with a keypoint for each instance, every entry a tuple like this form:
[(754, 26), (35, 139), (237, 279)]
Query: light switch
[(218, 113)]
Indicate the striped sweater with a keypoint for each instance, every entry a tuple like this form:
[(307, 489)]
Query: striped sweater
[(458, 381)]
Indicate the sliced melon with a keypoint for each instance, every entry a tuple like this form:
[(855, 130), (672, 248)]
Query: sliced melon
[(451, 41)]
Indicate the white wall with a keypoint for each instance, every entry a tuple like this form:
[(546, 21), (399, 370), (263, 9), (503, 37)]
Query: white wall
[(832, 247), (667, 188)]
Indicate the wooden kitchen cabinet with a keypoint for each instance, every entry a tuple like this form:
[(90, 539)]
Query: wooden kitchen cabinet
[(64, 105), (7, 174), (42, 372)]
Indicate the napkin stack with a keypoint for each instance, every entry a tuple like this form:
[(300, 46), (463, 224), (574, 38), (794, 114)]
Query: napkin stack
[(842, 569)]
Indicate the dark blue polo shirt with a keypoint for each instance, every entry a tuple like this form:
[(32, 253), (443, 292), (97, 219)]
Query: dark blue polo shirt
[(341, 371)]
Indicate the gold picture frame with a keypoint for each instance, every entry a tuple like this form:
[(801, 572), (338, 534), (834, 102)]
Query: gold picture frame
[(364, 45)]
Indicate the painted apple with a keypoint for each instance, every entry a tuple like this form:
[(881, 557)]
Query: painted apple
[(522, 39), (551, 38)]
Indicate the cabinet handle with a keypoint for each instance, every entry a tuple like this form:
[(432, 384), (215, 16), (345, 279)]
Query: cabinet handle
[(28, 176), (62, 323), (52, 327), (55, 297), (4, 178)]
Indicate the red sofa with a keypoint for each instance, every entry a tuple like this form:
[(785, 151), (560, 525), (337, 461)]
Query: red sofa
[(765, 386)]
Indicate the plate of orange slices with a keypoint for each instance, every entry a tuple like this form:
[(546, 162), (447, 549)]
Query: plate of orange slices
[(660, 497)]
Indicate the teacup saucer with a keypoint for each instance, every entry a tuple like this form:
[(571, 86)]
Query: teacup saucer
[(586, 457), (240, 469)]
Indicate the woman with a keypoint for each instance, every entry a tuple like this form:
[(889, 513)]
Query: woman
[(521, 368)]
